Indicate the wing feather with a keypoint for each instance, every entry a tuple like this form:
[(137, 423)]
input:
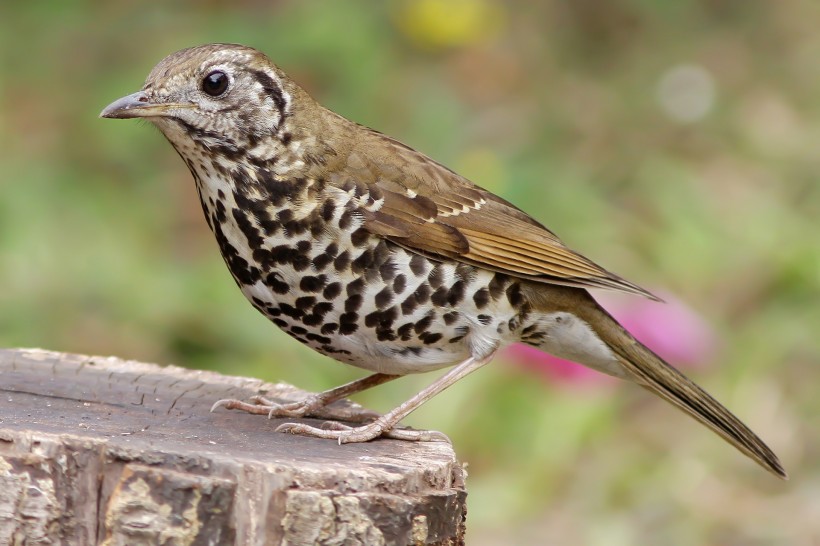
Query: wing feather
[(430, 209)]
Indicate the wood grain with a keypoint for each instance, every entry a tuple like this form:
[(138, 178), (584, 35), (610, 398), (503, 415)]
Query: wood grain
[(97, 450)]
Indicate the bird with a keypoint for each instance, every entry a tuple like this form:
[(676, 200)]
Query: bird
[(377, 256)]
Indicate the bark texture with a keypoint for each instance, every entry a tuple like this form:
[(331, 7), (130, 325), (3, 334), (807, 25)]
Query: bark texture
[(98, 450)]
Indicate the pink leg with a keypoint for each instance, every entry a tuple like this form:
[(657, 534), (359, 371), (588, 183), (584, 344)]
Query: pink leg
[(314, 404), (384, 425)]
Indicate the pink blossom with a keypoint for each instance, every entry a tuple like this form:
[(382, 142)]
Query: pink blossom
[(672, 329)]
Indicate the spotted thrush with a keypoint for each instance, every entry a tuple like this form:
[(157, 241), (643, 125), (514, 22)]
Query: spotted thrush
[(375, 255)]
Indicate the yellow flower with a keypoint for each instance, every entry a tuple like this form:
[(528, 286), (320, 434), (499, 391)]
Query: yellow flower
[(439, 24)]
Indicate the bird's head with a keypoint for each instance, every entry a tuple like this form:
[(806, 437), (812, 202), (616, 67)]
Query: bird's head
[(221, 96)]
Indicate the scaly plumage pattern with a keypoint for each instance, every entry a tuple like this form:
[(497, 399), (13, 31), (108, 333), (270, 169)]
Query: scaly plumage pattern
[(374, 254)]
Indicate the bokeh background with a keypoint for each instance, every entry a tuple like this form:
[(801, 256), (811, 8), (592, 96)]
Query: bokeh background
[(677, 143)]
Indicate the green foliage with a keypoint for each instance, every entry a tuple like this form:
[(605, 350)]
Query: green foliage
[(557, 106)]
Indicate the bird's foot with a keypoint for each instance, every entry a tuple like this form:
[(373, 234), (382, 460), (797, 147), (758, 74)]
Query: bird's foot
[(385, 425), (378, 428), (259, 405), (316, 404), (313, 405)]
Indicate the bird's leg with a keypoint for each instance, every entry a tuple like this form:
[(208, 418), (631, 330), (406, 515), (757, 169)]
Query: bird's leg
[(313, 405), (384, 425)]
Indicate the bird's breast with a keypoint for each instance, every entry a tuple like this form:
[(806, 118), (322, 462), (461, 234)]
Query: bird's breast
[(309, 265)]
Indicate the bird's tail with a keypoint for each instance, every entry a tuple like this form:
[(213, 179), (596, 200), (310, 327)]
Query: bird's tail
[(641, 365), (653, 373)]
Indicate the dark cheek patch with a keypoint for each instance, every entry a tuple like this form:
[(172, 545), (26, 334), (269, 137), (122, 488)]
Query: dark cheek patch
[(270, 89)]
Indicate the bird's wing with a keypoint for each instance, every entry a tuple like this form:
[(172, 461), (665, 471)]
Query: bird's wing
[(422, 205)]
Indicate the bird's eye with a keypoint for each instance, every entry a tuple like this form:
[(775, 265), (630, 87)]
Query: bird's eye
[(215, 83)]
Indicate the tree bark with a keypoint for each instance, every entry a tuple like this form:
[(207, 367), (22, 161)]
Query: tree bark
[(98, 450)]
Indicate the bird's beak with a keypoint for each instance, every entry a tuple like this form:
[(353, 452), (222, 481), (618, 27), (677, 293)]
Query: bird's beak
[(138, 105)]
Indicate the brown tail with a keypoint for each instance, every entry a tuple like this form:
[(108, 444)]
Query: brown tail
[(651, 372)]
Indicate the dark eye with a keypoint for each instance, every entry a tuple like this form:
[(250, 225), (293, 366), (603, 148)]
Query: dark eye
[(215, 83)]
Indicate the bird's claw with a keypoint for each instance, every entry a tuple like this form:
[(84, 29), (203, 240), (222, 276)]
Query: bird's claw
[(259, 405), (345, 434), (313, 405)]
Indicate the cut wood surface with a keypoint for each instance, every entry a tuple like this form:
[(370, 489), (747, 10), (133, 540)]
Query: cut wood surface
[(98, 450)]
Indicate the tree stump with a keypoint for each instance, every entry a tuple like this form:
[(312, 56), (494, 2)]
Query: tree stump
[(98, 450)]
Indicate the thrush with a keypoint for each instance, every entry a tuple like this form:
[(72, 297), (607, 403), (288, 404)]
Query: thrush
[(373, 254)]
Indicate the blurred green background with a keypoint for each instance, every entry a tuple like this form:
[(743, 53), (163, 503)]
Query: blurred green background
[(676, 143)]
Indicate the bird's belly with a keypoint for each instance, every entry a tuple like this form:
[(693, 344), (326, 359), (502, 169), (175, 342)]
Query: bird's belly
[(387, 317), (362, 299), (383, 308)]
